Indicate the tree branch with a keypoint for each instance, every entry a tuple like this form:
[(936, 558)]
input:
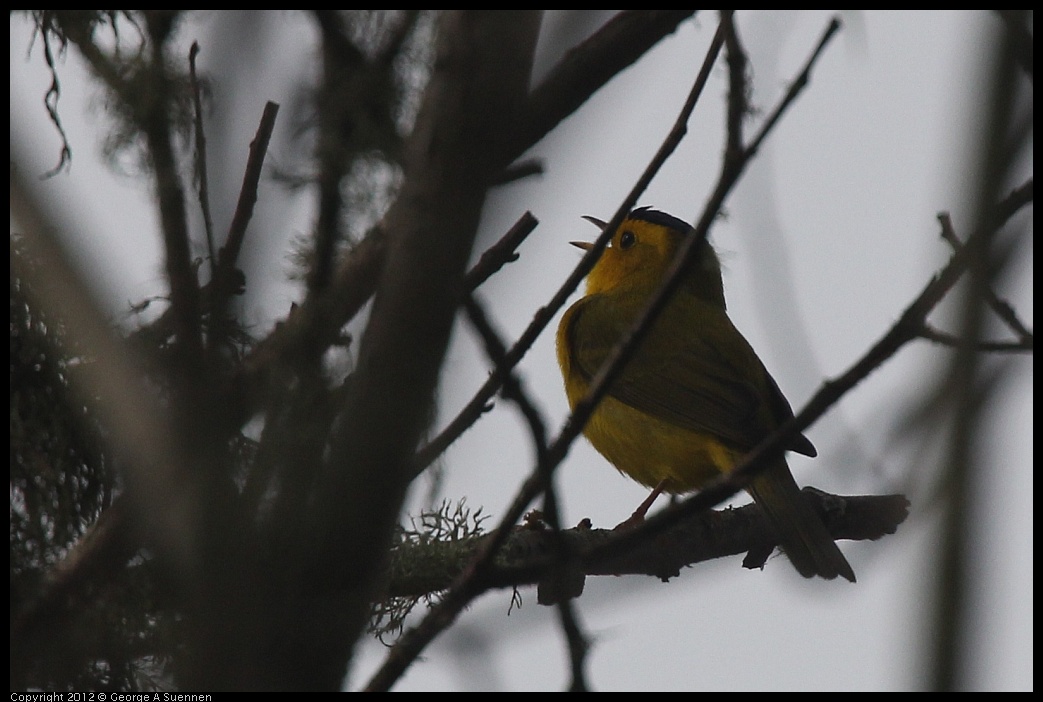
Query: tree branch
[(587, 67), (455, 148), (469, 585), (319, 320), (903, 331), (201, 170), (731, 170), (244, 207), (1002, 309), (341, 63), (546, 313), (111, 387), (527, 556), (153, 117)]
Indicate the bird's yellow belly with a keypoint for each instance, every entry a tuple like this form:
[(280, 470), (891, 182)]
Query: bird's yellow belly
[(650, 450)]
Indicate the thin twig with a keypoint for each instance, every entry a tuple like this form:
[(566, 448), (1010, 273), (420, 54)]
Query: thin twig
[(1023, 345), (590, 65), (512, 387), (341, 60), (491, 261), (578, 646), (731, 170), (1002, 308), (201, 173), (226, 281), (244, 207), (481, 76), (151, 115), (501, 253), (581, 73), (544, 315), (903, 331), (515, 392), (738, 105), (468, 585), (795, 88)]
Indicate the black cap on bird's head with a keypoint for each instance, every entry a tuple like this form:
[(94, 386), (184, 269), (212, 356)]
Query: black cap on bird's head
[(706, 281), (651, 215)]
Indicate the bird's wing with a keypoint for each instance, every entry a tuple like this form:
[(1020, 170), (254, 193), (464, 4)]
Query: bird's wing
[(708, 379)]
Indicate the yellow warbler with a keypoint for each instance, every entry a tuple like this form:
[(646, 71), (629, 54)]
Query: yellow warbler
[(694, 397)]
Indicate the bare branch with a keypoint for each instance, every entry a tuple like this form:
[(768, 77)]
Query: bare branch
[(1002, 308), (456, 147), (153, 117), (201, 174), (1023, 345), (969, 385), (248, 191), (469, 586), (906, 329), (731, 170), (227, 280), (491, 261), (622, 41), (528, 554), (578, 646), (341, 62), (584, 69), (501, 253), (738, 103), (544, 315)]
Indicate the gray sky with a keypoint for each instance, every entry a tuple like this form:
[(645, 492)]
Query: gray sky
[(830, 235)]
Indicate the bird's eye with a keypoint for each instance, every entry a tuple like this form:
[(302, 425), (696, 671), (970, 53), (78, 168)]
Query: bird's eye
[(627, 239)]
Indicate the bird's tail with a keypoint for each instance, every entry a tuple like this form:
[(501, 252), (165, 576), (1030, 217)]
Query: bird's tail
[(802, 534)]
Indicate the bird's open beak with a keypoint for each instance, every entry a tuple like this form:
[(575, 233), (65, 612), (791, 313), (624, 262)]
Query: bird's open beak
[(586, 245)]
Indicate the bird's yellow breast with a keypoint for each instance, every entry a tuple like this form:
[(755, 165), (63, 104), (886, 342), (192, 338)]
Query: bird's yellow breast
[(646, 448)]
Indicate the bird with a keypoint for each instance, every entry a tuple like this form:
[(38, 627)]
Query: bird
[(694, 398)]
